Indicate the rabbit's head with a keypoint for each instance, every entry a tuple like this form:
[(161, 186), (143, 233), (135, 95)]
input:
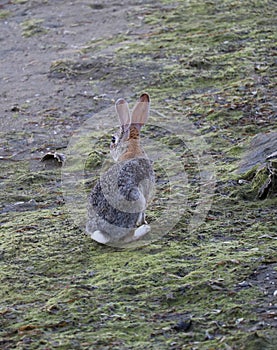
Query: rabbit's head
[(126, 143)]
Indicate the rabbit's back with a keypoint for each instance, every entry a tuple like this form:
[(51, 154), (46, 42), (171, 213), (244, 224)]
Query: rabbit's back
[(135, 174), (117, 200)]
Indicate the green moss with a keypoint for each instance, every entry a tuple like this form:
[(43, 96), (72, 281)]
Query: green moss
[(20, 1), (94, 160), (32, 27), (119, 42), (4, 14)]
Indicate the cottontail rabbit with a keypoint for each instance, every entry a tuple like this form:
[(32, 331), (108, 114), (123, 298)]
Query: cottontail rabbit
[(117, 203)]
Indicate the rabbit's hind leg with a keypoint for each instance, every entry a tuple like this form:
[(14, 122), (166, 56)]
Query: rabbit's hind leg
[(136, 234), (141, 219), (99, 237), (141, 231)]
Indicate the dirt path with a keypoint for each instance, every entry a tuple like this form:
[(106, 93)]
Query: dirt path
[(36, 35)]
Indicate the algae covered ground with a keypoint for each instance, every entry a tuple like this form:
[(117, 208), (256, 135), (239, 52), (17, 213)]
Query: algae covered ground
[(209, 66)]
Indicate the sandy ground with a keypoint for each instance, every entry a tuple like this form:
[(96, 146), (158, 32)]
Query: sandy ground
[(26, 83)]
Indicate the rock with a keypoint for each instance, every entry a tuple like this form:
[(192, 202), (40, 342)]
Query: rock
[(261, 147), (260, 167)]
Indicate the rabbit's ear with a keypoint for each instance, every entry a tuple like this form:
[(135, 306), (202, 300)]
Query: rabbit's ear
[(141, 110), (123, 112)]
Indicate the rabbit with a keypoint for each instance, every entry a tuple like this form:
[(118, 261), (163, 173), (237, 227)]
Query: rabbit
[(117, 203)]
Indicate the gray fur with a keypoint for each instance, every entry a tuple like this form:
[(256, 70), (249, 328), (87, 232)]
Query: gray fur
[(117, 203), (118, 200)]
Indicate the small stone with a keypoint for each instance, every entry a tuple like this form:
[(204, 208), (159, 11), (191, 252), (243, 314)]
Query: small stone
[(183, 325)]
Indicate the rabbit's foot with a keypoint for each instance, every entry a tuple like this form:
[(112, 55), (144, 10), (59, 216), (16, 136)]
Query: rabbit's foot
[(142, 231), (99, 237), (141, 219)]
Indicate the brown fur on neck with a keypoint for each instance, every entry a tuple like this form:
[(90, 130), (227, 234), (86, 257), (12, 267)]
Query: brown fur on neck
[(133, 144)]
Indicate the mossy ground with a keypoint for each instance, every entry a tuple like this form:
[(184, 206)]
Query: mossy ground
[(213, 288)]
